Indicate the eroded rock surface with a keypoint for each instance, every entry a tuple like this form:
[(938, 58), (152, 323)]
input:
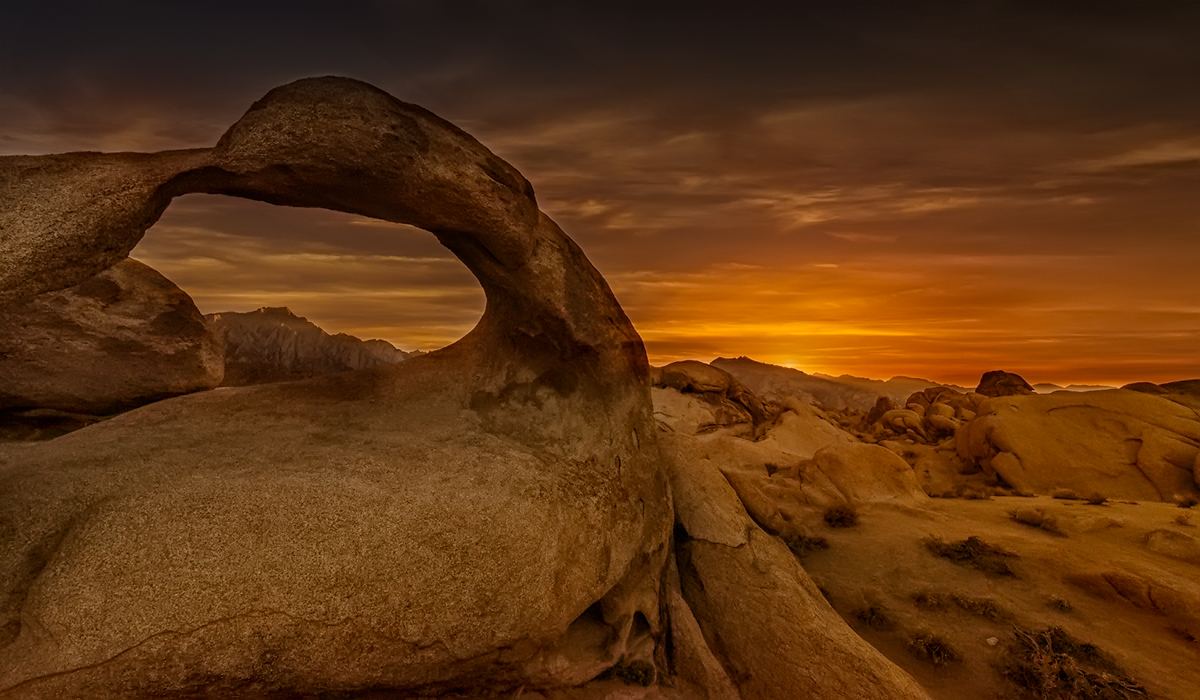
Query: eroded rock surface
[(491, 515), (118, 339)]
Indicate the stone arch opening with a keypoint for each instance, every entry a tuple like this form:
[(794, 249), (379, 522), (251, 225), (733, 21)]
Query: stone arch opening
[(345, 273)]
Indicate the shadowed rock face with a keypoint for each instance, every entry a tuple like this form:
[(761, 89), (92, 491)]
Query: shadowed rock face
[(273, 344), (1000, 383), (490, 515), (119, 339)]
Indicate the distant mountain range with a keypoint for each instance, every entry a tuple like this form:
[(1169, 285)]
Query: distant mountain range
[(843, 392), (830, 393), (1048, 388), (273, 344)]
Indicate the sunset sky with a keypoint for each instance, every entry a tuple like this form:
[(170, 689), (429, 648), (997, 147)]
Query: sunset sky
[(878, 189)]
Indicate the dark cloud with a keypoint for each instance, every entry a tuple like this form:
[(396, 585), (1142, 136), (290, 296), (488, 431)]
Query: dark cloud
[(909, 187)]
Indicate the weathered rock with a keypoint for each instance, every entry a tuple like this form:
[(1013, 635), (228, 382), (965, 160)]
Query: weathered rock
[(929, 416), (1001, 383), (1178, 600), (905, 421), (882, 405), (760, 613), (1122, 444), (119, 339), (730, 400), (488, 516), (275, 345), (1174, 544)]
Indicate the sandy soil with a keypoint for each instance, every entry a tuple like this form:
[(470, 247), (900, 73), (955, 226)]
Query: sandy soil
[(874, 573)]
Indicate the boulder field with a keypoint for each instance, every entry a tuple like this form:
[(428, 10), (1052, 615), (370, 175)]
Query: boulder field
[(492, 518)]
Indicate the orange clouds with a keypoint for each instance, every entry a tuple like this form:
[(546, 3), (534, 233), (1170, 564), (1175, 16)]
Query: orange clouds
[(922, 188)]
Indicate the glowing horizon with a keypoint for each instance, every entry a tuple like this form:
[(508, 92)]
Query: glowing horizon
[(922, 189)]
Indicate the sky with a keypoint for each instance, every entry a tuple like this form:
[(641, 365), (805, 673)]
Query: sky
[(877, 189)]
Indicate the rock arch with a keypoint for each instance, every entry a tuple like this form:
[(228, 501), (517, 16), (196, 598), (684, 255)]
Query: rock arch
[(489, 514)]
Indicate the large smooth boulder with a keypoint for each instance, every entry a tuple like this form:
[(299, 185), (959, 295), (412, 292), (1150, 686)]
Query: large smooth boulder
[(119, 339), (486, 517), (865, 473), (1119, 443)]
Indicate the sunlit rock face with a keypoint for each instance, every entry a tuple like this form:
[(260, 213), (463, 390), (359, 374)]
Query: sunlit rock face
[(119, 339), (488, 516), (1116, 443)]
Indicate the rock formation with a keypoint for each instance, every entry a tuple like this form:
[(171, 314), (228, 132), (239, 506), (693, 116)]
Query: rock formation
[(485, 518), (723, 401), (491, 515), (273, 344), (1001, 383), (1122, 444), (118, 339)]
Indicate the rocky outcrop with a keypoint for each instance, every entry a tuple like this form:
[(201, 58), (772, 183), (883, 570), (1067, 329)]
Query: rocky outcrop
[(1122, 444), (792, 467), (273, 344), (761, 615), (928, 417), (490, 516), (693, 397), (1001, 383), (118, 339)]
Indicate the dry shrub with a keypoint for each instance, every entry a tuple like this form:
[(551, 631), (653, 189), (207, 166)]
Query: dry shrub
[(975, 553), (1036, 517), (928, 600), (874, 616), (1052, 665), (979, 607), (802, 544), (1064, 495), (1096, 499), (1186, 500), (842, 515), (632, 673), (982, 607), (932, 649), (1060, 604), (971, 493)]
